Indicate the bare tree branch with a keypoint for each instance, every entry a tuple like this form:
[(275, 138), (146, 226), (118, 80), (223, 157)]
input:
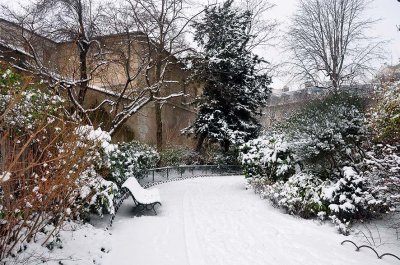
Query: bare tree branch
[(328, 41)]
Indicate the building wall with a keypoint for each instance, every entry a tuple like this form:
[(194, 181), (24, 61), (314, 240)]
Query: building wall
[(63, 58), (284, 104)]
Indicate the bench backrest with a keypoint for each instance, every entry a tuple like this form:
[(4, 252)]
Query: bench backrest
[(141, 195)]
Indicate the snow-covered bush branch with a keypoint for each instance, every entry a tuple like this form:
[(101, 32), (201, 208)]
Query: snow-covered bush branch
[(321, 165), (386, 116), (268, 156), (45, 158), (130, 160)]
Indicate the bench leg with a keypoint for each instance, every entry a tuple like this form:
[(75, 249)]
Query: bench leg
[(153, 205)]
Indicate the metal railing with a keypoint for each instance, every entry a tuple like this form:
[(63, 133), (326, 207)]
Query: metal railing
[(163, 174)]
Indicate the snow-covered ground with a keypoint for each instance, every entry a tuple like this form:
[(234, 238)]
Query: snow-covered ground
[(213, 221), (216, 221)]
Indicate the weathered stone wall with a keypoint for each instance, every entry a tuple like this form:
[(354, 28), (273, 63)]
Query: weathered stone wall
[(63, 58), (281, 106)]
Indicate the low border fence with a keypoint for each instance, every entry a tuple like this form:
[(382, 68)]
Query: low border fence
[(372, 249), (163, 174)]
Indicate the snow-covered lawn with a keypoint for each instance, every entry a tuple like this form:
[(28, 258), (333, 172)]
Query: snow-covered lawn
[(209, 221)]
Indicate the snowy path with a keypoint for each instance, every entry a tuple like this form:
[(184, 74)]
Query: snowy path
[(215, 221)]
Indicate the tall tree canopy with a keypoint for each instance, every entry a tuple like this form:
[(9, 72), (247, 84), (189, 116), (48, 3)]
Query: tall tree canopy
[(234, 88)]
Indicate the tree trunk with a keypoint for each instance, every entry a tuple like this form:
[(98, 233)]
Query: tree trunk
[(157, 105), (200, 142), (83, 51), (159, 126), (225, 145)]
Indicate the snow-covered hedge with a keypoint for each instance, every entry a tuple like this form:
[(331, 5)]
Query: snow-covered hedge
[(319, 164), (179, 155), (349, 198), (386, 117), (25, 105), (299, 195), (112, 165), (352, 197), (328, 134), (322, 138), (130, 160), (267, 156), (102, 194)]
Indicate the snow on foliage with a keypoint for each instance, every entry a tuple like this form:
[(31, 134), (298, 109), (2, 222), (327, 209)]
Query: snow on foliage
[(344, 200), (130, 160), (299, 195), (328, 134), (318, 165), (25, 105), (116, 162), (386, 117), (104, 138), (234, 89), (267, 156)]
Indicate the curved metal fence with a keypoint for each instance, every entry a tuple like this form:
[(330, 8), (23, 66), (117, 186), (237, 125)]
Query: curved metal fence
[(372, 249), (162, 174)]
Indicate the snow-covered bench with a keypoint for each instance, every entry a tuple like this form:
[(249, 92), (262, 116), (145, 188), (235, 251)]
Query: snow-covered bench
[(143, 199)]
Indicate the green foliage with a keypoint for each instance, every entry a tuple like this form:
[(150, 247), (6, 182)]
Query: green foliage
[(105, 193), (179, 155), (328, 134), (26, 105), (9, 81), (269, 157), (219, 157), (387, 115), (234, 89), (130, 160)]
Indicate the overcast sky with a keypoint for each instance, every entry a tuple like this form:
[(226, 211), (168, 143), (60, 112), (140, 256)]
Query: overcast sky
[(388, 11)]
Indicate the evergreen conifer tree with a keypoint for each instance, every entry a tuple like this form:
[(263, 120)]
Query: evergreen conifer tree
[(234, 90)]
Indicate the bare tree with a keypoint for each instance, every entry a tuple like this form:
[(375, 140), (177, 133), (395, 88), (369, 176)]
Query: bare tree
[(262, 28), (63, 20), (165, 23), (328, 41), (143, 59), (57, 21)]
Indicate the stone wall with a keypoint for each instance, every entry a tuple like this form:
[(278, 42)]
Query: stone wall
[(63, 58), (283, 104)]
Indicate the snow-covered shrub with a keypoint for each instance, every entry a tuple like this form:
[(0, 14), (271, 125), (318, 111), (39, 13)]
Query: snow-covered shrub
[(328, 134), (45, 157), (267, 156), (179, 155), (25, 105), (382, 168), (386, 116), (351, 198), (299, 195), (101, 193), (339, 175), (41, 182), (130, 160), (342, 201)]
